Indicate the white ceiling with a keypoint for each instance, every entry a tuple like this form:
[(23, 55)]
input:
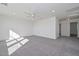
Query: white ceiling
[(40, 10)]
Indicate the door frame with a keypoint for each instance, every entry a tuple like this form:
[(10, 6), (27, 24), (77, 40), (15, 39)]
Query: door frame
[(77, 29)]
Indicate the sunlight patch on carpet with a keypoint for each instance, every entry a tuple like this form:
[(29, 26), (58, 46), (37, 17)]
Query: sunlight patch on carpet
[(14, 42)]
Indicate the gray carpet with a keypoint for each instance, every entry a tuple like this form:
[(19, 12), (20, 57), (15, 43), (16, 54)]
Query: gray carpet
[(3, 49), (39, 46)]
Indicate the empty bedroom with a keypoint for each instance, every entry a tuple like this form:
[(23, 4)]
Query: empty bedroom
[(39, 29)]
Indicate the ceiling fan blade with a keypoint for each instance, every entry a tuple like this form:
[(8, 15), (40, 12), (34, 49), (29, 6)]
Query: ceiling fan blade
[(5, 4), (30, 14)]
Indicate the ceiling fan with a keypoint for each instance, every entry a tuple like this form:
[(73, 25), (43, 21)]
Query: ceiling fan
[(28, 14), (4, 4)]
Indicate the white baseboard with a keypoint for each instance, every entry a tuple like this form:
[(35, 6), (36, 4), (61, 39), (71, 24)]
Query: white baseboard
[(44, 36)]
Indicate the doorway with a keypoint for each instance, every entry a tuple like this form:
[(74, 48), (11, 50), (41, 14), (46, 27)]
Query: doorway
[(73, 29), (59, 29)]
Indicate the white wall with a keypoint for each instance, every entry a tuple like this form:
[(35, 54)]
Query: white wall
[(21, 26), (65, 28), (57, 28), (45, 27), (24, 27)]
